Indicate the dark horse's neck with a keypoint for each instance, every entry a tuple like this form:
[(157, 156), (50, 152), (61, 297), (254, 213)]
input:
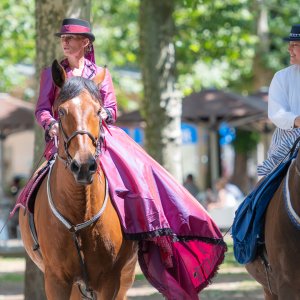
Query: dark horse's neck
[(74, 201), (294, 184)]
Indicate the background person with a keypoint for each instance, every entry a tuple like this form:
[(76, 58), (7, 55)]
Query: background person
[(225, 194), (190, 185), (284, 106)]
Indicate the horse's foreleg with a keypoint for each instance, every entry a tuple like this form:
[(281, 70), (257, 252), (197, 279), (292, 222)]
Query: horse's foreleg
[(269, 296), (127, 278), (75, 295), (55, 288), (286, 291)]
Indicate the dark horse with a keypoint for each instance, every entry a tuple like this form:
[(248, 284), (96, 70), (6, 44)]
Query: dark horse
[(280, 277), (78, 229)]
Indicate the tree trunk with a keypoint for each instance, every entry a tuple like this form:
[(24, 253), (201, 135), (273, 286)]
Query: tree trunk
[(239, 177), (261, 74), (162, 102), (49, 15)]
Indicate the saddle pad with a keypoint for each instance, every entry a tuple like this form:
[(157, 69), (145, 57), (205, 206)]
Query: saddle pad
[(248, 224), (27, 195)]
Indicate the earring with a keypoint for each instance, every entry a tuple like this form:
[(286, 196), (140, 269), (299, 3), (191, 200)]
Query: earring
[(89, 47)]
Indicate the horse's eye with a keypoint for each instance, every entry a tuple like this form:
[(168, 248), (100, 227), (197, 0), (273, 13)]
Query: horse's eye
[(61, 112), (99, 112)]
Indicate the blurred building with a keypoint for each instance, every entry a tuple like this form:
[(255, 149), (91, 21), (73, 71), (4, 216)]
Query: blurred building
[(209, 118)]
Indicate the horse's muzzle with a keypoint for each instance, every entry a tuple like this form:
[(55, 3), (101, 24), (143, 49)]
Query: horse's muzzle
[(83, 171)]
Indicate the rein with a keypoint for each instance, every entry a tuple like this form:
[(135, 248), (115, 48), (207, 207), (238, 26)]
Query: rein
[(293, 216), (75, 229)]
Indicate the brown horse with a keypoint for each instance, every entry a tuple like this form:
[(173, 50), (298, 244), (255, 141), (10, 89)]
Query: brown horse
[(280, 276), (94, 253)]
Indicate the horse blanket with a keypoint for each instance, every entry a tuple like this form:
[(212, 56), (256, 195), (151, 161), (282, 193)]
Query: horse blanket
[(180, 247), (248, 224)]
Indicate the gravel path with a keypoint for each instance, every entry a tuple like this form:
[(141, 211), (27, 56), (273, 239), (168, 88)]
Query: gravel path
[(229, 284)]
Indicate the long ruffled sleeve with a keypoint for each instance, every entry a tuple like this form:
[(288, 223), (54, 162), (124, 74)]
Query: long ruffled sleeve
[(109, 98), (43, 110)]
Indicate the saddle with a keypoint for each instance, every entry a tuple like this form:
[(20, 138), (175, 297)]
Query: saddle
[(248, 224), (27, 196)]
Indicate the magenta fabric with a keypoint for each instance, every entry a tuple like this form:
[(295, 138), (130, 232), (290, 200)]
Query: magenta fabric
[(30, 189), (141, 177), (74, 28), (180, 246)]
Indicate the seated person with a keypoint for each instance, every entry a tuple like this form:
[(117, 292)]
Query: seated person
[(225, 195)]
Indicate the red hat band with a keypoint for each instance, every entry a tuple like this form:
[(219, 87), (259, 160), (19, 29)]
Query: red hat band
[(74, 29)]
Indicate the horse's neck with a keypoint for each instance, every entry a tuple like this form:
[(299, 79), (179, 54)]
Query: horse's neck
[(294, 185), (76, 202)]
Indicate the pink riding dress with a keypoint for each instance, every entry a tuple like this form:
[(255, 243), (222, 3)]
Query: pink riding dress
[(180, 247)]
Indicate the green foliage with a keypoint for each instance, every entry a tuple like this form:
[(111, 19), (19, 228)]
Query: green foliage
[(216, 41), (16, 39), (115, 25), (246, 141), (12, 278)]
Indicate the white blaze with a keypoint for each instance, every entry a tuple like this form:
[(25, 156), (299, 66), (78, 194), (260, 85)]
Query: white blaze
[(76, 100)]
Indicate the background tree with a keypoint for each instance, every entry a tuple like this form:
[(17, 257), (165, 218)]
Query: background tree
[(162, 102), (244, 144), (49, 15), (117, 46), (17, 41)]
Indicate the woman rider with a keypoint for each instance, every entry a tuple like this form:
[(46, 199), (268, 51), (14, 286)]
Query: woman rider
[(284, 106)]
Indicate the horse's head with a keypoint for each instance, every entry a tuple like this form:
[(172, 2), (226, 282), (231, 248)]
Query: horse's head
[(78, 106)]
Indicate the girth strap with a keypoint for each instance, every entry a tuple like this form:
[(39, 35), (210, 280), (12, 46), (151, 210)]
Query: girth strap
[(85, 276), (36, 246), (267, 267)]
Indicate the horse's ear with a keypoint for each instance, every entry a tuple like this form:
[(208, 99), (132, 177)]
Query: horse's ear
[(58, 74), (100, 76)]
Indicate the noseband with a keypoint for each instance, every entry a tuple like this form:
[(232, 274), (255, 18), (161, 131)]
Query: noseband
[(97, 142)]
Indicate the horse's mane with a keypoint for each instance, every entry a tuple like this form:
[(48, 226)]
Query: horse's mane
[(74, 86)]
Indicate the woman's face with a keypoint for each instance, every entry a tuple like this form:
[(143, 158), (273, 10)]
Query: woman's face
[(73, 45), (294, 50)]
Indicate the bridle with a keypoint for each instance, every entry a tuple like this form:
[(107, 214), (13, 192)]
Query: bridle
[(97, 142)]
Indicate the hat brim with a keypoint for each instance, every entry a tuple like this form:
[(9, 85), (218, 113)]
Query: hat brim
[(86, 34), (291, 39)]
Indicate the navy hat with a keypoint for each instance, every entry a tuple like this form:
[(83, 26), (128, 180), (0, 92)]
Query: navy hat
[(295, 34), (77, 27)]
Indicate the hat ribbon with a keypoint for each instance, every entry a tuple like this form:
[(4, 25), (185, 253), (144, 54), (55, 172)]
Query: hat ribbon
[(74, 28)]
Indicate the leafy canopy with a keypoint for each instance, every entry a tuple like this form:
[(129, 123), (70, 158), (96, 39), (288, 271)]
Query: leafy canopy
[(216, 41), (16, 40)]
